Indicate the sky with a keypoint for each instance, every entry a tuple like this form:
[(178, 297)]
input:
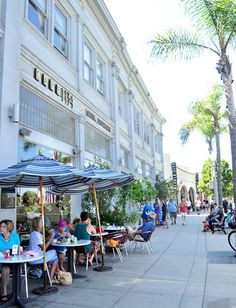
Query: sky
[(172, 85)]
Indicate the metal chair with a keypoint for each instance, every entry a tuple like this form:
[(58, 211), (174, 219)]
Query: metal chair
[(145, 242)]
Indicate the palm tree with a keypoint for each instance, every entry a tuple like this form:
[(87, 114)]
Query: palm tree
[(208, 119), (214, 23)]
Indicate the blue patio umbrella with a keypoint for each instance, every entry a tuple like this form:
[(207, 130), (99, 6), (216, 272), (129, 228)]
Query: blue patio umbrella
[(94, 179), (37, 172)]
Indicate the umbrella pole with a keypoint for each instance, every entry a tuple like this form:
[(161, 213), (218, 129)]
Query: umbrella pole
[(101, 268), (45, 289), (44, 240)]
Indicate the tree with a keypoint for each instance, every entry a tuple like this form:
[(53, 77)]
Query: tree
[(227, 180), (166, 188), (214, 23), (209, 120), (204, 184)]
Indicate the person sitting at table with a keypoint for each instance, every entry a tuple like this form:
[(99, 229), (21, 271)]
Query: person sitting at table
[(7, 238), (36, 244), (141, 232), (83, 231), (72, 226), (61, 232)]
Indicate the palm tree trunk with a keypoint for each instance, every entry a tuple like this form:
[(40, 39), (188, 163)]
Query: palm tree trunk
[(226, 76), (218, 167)]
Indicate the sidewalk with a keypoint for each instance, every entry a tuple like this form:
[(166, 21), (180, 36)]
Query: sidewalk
[(188, 268)]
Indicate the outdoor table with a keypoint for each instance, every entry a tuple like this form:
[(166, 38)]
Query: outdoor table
[(71, 247), (98, 234), (114, 228), (16, 262)]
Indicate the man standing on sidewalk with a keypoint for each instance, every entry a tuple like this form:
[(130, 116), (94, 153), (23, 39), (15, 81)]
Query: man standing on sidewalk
[(172, 207)]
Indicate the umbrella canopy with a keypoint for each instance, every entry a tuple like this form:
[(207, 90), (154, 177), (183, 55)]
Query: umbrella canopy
[(94, 179), (37, 172), (83, 181), (28, 173)]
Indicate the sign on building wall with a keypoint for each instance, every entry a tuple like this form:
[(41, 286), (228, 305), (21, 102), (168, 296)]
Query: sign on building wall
[(8, 198)]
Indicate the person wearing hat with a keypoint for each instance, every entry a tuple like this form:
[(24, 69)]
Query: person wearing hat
[(141, 232), (61, 232)]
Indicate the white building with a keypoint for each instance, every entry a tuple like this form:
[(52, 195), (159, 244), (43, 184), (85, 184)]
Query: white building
[(69, 87), (185, 179)]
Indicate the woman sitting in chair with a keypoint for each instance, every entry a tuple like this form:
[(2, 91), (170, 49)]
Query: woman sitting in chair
[(61, 232), (7, 238), (83, 231), (36, 244)]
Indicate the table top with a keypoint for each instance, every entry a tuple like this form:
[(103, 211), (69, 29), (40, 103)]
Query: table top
[(114, 228), (79, 243), (98, 234), (19, 259)]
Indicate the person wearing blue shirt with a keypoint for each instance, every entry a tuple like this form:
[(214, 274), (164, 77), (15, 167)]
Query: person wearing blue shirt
[(172, 207), (148, 226), (7, 238), (147, 208)]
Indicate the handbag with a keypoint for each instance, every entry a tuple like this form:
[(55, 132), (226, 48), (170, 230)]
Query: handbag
[(64, 278)]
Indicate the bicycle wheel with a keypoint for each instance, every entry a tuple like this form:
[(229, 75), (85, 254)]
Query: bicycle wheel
[(232, 239)]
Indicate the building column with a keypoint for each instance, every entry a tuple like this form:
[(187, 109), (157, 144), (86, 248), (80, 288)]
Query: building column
[(10, 12), (116, 154), (131, 131)]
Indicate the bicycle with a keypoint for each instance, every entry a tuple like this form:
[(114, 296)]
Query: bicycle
[(232, 235)]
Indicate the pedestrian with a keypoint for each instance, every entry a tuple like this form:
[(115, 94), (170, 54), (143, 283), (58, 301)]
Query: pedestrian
[(157, 211), (172, 207), (183, 207), (146, 209), (198, 206), (163, 214)]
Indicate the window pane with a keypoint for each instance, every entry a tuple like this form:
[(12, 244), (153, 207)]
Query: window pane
[(59, 42), (87, 54), (41, 4), (35, 17), (96, 143), (60, 21)]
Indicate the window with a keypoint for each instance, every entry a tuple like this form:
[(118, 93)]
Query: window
[(146, 133), (37, 14), (100, 76), (139, 166), (60, 32), (94, 69), (148, 171), (97, 144), (158, 143), (124, 158), (37, 113), (88, 64), (137, 122)]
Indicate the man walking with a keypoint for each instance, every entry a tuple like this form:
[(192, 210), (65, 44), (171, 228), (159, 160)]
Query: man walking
[(172, 207)]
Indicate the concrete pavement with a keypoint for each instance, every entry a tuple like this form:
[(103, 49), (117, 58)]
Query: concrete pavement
[(188, 268)]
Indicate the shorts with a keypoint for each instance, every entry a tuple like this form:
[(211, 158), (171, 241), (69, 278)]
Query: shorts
[(183, 214)]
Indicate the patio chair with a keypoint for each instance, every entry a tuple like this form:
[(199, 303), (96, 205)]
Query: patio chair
[(143, 242), (81, 250)]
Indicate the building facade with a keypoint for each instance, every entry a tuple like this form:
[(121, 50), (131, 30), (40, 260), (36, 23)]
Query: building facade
[(69, 88), (185, 180)]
